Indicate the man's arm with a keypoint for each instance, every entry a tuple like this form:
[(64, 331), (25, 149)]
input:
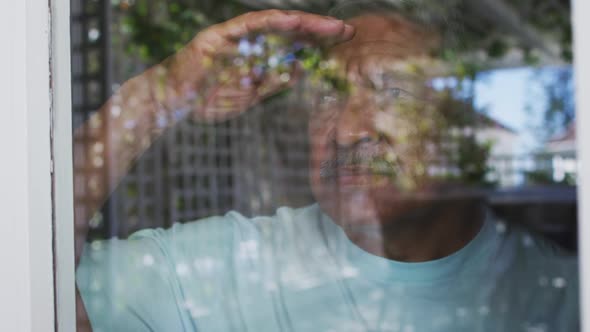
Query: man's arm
[(186, 84), (189, 83)]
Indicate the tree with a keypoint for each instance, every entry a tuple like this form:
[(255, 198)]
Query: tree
[(559, 102)]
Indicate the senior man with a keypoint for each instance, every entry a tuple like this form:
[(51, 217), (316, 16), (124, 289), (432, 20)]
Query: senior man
[(387, 247)]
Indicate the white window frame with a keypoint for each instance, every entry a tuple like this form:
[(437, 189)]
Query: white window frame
[(63, 190), (36, 190), (35, 93), (26, 281), (581, 26)]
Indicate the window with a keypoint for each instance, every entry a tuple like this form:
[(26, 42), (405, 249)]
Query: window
[(452, 139)]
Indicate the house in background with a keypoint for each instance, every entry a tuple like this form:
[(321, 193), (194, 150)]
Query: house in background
[(561, 150), (502, 159)]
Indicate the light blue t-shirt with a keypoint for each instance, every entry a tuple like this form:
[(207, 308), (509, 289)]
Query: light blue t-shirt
[(297, 271)]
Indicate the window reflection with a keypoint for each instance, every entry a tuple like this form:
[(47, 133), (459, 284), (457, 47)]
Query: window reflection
[(399, 167)]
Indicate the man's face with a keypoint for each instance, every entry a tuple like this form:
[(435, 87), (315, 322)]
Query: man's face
[(371, 145)]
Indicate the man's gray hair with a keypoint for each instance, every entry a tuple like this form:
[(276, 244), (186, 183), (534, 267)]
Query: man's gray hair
[(440, 17)]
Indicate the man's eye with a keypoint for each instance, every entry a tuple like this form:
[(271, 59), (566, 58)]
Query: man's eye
[(396, 93), (389, 96)]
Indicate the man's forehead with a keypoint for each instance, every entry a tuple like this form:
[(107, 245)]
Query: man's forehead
[(383, 26), (387, 33), (385, 44)]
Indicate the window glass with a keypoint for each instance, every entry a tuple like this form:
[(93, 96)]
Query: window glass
[(269, 165)]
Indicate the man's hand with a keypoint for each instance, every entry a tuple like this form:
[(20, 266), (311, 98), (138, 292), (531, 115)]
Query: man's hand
[(225, 88)]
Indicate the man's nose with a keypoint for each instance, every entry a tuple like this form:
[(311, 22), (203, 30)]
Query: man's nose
[(355, 123)]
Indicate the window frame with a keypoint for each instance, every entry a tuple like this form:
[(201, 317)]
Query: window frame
[(581, 25), (27, 301), (37, 192), (62, 154)]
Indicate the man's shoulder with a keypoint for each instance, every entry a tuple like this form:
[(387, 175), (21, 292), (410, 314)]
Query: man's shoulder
[(537, 261), (233, 226), (535, 270), (236, 220), (533, 248)]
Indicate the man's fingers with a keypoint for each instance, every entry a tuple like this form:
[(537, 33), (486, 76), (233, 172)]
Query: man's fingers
[(268, 21), (216, 46), (261, 21), (348, 32), (298, 24), (320, 27)]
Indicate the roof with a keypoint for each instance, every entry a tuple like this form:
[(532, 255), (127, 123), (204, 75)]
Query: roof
[(490, 122), (567, 136)]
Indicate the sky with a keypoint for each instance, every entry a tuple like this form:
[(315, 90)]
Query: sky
[(506, 94)]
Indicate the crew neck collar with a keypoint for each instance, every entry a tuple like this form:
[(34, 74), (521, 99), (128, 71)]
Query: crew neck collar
[(469, 259)]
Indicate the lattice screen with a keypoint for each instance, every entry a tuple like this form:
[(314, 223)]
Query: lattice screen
[(251, 164), (91, 85)]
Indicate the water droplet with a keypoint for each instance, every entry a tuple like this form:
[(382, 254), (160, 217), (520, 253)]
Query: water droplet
[(148, 260), (257, 49), (285, 77), (98, 147), (527, 240), (349, 272), (484, 310), (500, 227), (97, 161), (96, 245), (93, 34), (244, 47), (559, 282), (182, 270), (115, 111), (95, 121), (273, 61)]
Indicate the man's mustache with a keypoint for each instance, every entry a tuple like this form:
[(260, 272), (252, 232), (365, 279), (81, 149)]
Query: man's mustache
[(372, 158)]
